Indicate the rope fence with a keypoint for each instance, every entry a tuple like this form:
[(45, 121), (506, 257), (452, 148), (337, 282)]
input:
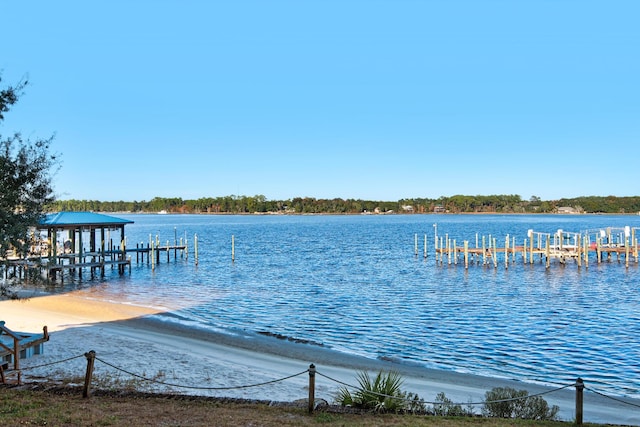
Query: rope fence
[(438, 403), (142, 377), (312, 372)]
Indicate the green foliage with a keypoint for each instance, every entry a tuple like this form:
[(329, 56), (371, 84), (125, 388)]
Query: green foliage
[(381, 394), (444, 406), (299, 205), (506, 402), (25, 178)]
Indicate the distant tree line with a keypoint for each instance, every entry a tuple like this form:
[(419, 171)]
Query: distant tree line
[(308, 205)]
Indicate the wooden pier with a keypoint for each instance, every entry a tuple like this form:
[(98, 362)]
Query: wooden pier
[(54, 267), (153, 253), (602, 245), (82, 240)]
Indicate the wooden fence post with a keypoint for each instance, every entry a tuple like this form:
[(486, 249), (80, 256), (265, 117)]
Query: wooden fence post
[(579, 400), (312, 387), (91, 357)]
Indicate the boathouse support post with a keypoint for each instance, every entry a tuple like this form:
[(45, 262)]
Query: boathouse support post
[(122, 256), (92, 245), (233, 247), (80, 251), (102, 247), (415, 244)]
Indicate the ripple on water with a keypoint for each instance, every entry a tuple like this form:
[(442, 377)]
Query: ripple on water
[(354, 285)]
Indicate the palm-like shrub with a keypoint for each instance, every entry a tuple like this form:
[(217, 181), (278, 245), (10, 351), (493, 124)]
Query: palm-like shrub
[(380, 394)]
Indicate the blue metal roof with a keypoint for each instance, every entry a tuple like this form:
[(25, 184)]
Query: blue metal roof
[(69, 219)]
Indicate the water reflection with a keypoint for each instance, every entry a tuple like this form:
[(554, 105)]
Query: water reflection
[(355, 285)]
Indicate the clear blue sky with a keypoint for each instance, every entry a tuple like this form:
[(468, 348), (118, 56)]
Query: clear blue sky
[(377, 100)]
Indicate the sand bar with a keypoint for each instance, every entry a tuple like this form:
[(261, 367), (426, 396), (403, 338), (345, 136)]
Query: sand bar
[(134, 339)]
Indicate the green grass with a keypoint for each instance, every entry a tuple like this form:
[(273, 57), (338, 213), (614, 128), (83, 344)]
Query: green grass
[(64, 406)]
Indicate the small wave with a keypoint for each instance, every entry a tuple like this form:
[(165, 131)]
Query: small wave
[(292, 339)]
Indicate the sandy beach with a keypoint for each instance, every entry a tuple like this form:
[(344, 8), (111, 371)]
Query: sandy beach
[(198, 362)]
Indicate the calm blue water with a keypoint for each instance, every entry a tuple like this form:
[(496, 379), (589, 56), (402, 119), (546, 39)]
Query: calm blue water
[(353, 284)]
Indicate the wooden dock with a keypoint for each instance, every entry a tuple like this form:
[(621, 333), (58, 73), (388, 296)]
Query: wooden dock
[(54, 266), (154, 253), (70, 242), (602, 245)]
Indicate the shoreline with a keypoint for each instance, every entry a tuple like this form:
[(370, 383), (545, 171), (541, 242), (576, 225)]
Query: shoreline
[(368, 213), (133, 338)]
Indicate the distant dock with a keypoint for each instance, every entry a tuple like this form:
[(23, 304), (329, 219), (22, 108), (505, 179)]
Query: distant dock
[(601, 245)]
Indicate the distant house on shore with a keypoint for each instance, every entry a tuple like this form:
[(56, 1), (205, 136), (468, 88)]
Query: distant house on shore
[(439, 209), (567, 210)]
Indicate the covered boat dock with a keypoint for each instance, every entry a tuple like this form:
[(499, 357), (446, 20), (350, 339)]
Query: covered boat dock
[(77, 240)]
